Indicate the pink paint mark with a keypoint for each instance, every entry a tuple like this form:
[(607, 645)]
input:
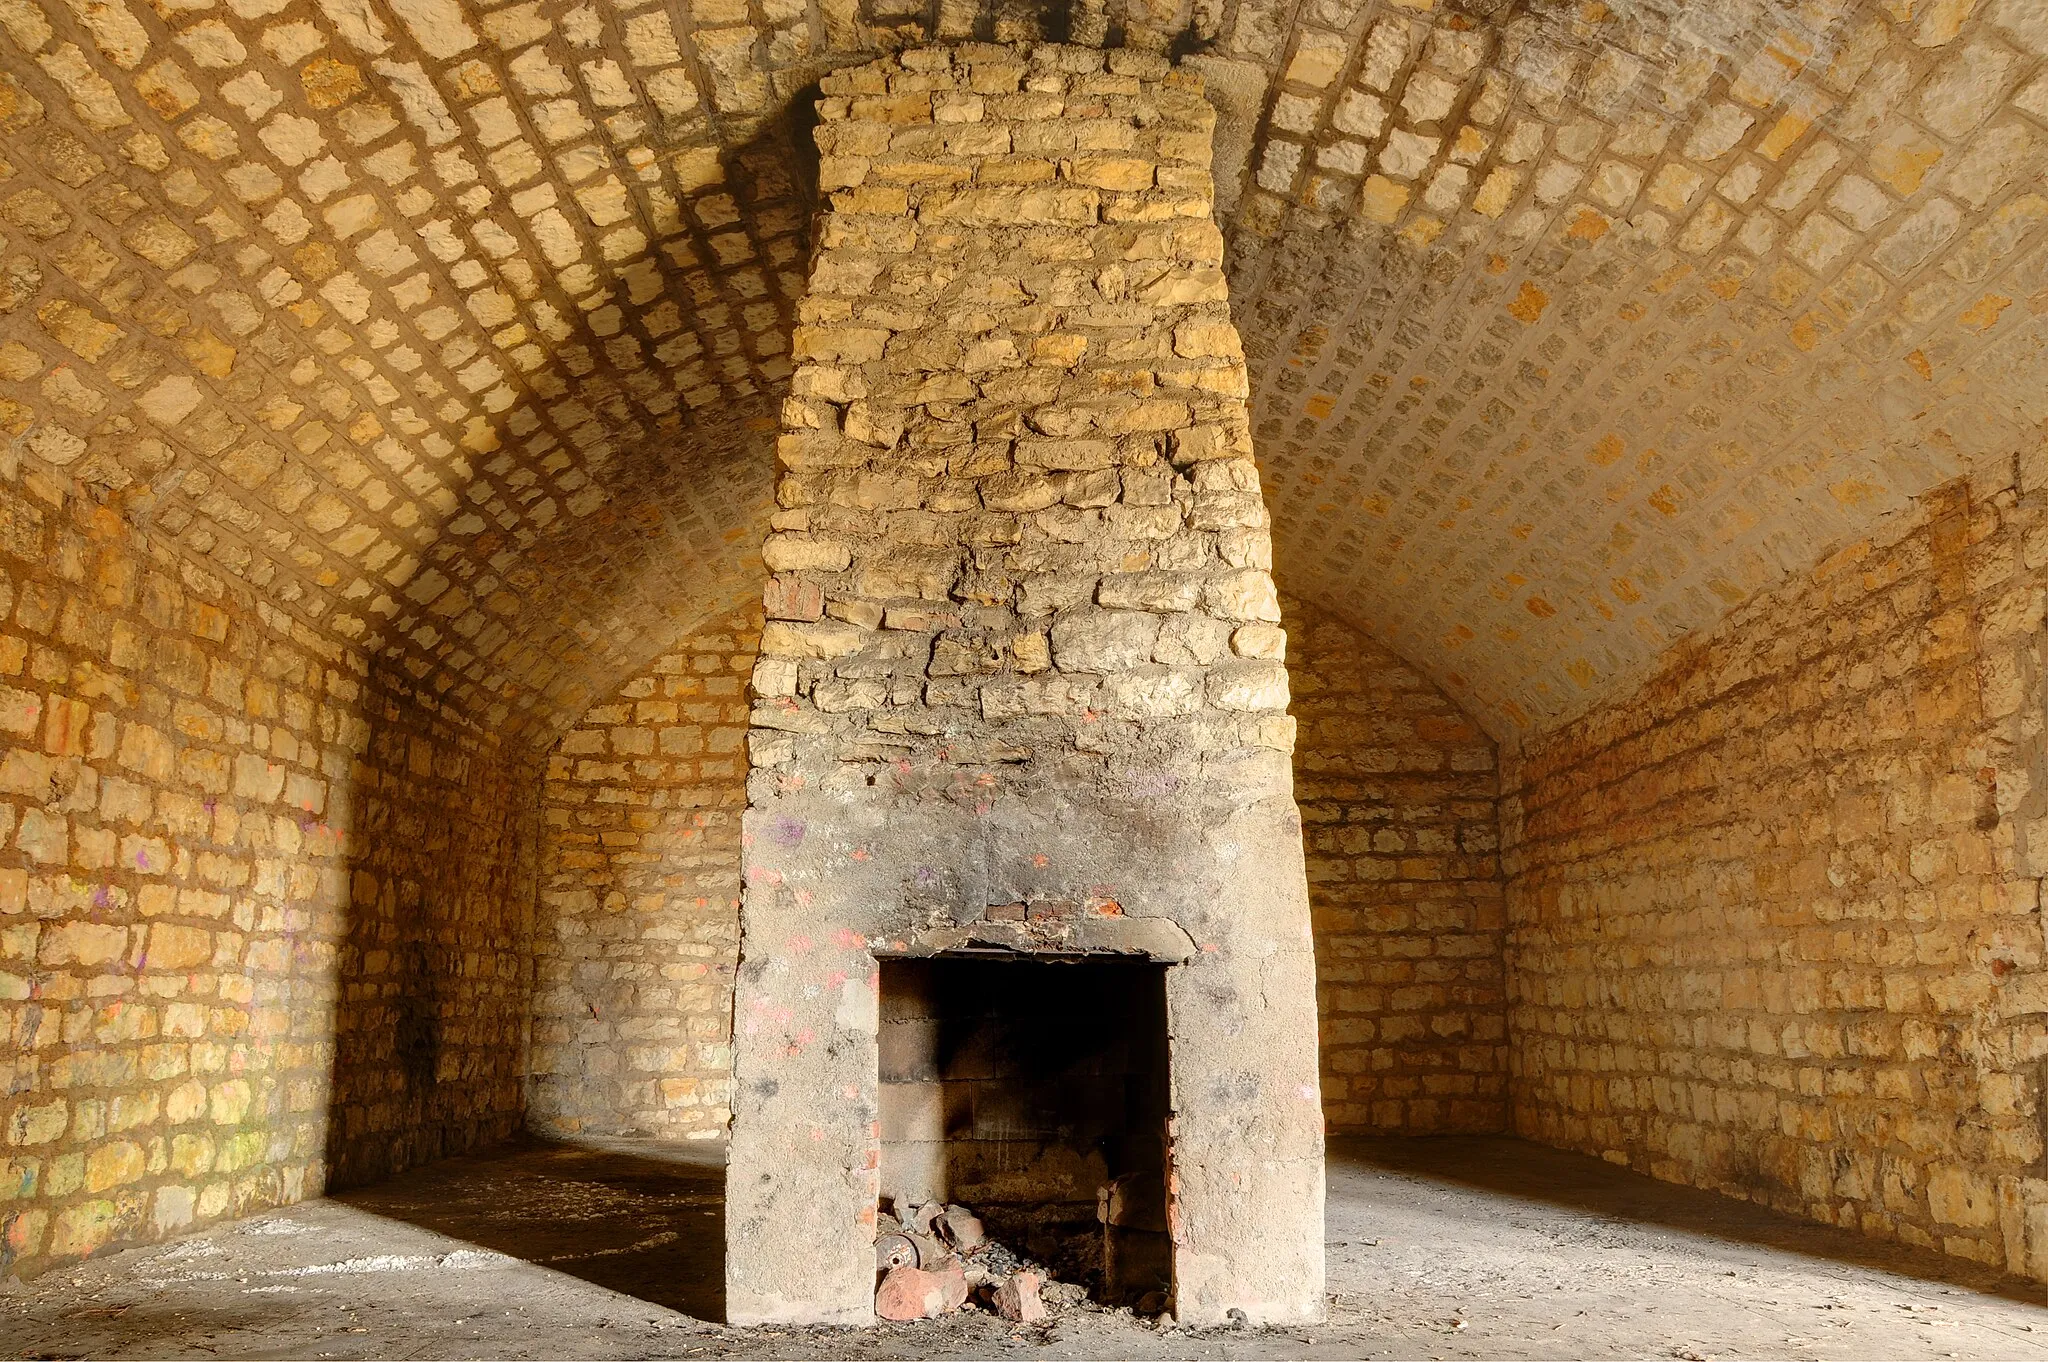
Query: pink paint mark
[(848, 939), (835, 978), (799, 943)]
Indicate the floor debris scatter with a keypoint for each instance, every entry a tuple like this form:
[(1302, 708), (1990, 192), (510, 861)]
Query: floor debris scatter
[(1445, 1248)]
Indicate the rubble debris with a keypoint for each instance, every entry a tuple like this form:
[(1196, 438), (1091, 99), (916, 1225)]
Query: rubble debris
[(895, 1250), (1063, 1295), (935, 1258), (1017, 1299), (910, 1293), (961, 1228)]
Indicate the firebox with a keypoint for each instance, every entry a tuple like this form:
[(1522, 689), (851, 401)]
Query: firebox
[(1033, 1088)]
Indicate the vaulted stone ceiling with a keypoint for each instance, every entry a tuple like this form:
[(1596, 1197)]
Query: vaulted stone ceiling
[(456, 330), (1576, 331)]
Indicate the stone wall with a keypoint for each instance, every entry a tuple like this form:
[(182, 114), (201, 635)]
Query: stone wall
[(639, 898), (1021, 683), (640, 881), (260, 923), (1775, 922), (435, 960), (1397, 788)]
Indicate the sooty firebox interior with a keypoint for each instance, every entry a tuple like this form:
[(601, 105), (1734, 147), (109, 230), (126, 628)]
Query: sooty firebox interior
[(1034, 1090)]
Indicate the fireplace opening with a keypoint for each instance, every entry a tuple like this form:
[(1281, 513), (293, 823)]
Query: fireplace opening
[(1033, 1090)]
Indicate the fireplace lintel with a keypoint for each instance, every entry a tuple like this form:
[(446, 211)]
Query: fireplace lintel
[(1156, 939)]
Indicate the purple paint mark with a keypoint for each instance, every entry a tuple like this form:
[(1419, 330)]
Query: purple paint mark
[(785, 831)]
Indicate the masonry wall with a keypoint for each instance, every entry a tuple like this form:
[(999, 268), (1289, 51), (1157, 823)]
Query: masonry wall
[(1775, 923), (1397, 789), (639, 896), (252, 909), (640, 881)]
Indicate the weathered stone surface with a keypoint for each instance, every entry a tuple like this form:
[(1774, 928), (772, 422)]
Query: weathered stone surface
[(1801, 868), (1030, 696), (637, 924), (262, 923), (1397, 789)]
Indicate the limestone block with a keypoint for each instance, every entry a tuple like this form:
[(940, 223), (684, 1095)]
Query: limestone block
[(1103, 640)]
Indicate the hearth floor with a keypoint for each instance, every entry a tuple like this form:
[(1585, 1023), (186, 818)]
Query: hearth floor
[(1451, 1248)]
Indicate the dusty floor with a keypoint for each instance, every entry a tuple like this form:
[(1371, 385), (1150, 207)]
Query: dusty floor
[(1438, 1248)]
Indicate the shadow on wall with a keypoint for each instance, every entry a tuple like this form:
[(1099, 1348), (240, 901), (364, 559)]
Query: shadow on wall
[(258, 914), (266, 909), (446, 965), (433, 964)]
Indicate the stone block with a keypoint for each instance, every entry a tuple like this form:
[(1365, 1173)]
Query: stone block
[(1011, 207), (1103, 640)]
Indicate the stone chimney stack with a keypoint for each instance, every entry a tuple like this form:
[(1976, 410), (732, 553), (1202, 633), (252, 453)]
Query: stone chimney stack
[(1022, 685)]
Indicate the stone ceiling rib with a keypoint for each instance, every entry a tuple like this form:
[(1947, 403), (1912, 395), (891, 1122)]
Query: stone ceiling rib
[(455, 329)]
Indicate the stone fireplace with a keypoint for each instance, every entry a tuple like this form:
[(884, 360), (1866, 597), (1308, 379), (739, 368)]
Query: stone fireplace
[(1025, 909)]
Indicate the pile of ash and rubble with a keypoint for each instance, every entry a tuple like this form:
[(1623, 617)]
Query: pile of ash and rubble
[(933, 1259)]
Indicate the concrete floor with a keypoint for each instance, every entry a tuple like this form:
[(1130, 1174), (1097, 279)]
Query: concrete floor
[(1448, 1248)]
